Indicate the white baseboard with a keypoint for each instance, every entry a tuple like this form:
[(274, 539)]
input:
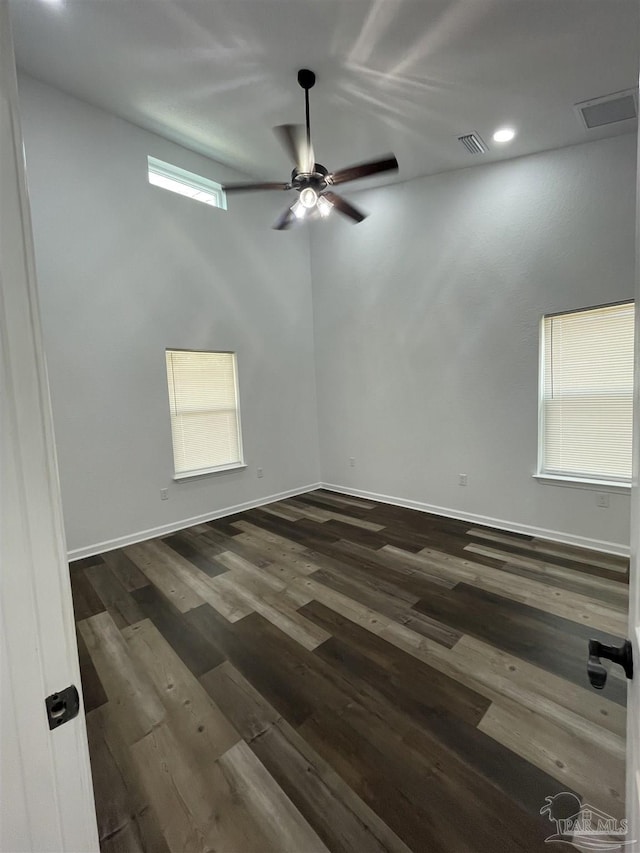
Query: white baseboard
[(163, 530), (473, 518)]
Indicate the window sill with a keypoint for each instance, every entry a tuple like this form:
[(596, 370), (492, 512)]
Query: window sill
[(582, 483), (220, 469)]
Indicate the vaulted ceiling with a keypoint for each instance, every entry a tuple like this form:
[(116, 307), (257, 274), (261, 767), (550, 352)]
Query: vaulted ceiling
[(407, 76)]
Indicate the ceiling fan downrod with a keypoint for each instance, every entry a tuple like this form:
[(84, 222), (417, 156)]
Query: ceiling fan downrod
[(307, 79)]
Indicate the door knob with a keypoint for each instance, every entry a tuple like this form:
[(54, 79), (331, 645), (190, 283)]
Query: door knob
[(622, 655)]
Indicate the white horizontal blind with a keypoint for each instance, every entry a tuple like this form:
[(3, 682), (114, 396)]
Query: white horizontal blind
[(203, 399), (587, 393)]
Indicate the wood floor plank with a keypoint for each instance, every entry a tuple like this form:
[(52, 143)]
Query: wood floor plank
[(332, 674), (587, 558), (86, 601), (86, 562), (196, 809), (182, 546), (125, 570), (261, 581), (197, 653), (193, 716), (499, 536), (189, 587), (309, 511), (280, 822), (268, 659), (305, 533), (273, 538), (240, 544), (615, 594), (113, 595), (153, 563), (341, 819), (567, 757), (317, 514), (207, 542), (611, 591), (342, 500), (109, 787), (136, 705), (243, 705), (119, 792), (591, 564), (391, 608), (288, 620), (93, 693), (413, 686), (286, 512), (392, 777), (358, 613), (299, 561), (453, 741), (291, 678), (374, 570), (579, 608), (557, 644), (497, 669)]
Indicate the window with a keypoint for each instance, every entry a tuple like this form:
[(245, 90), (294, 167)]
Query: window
[(587, 394), (205, 417), (178, 180)]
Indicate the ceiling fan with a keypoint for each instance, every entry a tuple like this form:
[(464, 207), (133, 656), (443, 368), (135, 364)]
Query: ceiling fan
[(312, 181)]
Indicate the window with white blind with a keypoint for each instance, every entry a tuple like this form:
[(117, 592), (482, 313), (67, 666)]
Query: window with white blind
[(205, 417), (586, 405)]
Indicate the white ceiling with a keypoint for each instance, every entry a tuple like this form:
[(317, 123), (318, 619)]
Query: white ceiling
[(406, 76)]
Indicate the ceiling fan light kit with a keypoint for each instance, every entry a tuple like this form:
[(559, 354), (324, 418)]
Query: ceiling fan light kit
[(309, 179)]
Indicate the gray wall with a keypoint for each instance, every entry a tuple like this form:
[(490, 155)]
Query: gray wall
[(427, 318), (426, 326), (126, 269)]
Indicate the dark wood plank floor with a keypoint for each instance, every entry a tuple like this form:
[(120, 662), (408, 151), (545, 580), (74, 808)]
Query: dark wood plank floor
[(327, 673)]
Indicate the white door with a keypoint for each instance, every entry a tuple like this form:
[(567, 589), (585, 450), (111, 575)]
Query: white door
[(633, 707), (45, 785)]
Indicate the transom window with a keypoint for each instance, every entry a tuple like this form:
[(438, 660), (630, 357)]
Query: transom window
[(179, 181)]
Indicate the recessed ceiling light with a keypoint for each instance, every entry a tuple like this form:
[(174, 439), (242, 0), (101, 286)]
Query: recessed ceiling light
[(504, 134)]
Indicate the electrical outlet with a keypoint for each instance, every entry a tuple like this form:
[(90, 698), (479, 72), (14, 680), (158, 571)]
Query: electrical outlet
[(602, 499), (352, 461), (259, 472), (462, 479), (164, 494)]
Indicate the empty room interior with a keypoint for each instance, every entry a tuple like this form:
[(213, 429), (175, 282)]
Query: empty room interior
[(343, 413)]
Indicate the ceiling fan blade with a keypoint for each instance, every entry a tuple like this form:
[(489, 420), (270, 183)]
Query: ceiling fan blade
[(294, 140), (240, 188), (344, 207), (286, 220), (352, 173)]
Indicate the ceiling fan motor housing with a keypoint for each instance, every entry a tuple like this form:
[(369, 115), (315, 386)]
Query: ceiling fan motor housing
[(306, 78), (317, 180)]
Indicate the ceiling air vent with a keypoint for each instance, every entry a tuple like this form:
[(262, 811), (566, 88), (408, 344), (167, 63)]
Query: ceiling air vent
[(610, 109), (473, 143)]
